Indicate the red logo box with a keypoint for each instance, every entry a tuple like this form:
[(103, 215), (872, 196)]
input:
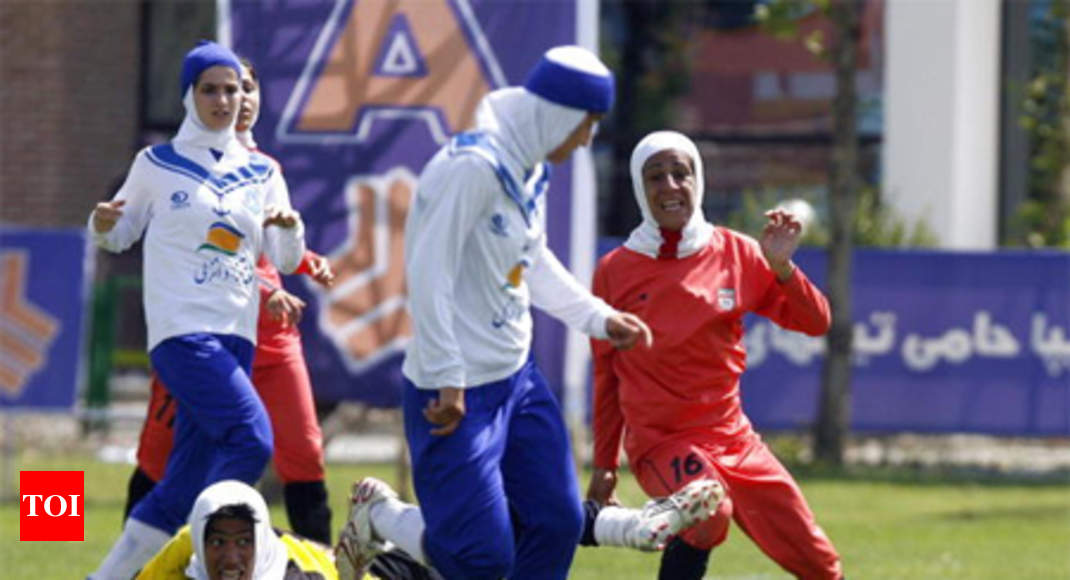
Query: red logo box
[(51, 506)]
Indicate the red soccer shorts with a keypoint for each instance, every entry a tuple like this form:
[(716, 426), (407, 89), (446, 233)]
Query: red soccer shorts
[(762, 498)]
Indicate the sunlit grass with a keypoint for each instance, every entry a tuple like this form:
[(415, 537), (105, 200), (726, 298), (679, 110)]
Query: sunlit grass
[(892, 527)]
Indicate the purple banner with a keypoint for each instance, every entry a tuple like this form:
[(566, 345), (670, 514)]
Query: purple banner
[(942, 342), (42, 297), (356, 97)]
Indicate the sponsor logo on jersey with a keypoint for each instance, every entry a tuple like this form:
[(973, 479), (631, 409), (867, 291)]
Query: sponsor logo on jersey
[(223, 238), (499, 225), (516, 274), (179, 200)]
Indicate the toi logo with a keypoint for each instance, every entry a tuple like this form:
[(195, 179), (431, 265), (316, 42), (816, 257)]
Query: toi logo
[(51, 506)]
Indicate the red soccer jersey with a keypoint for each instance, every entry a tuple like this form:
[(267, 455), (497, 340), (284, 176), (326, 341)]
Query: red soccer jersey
[(688, 382)]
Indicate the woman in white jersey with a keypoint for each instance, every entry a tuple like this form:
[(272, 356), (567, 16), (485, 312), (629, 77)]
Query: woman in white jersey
[(207, 207)]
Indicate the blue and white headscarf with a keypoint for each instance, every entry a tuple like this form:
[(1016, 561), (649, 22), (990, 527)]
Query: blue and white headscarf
[(529, 122), (193, 131)]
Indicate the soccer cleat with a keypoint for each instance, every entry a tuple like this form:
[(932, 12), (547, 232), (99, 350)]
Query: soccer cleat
[(663, 518), (357, 544)]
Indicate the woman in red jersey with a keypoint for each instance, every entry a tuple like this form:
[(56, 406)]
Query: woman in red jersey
[(676, 406)]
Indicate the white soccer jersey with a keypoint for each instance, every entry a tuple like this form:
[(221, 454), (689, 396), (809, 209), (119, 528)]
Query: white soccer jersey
[(202, 222), (476, 260)]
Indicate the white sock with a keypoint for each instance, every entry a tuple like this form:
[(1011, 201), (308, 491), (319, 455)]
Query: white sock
[(138, 543), (615, 526), (402, 524)]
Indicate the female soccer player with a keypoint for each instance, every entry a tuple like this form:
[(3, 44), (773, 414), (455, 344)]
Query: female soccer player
[(279, 375), (677, 406), (207, 208), (489, 448)]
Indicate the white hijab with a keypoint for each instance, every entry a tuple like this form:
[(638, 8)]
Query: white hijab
[(524, 126), (246, 138), (271, 555), (646, 239), (194, 132)]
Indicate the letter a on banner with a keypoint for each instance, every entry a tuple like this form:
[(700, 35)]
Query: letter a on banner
[(400, 56), (422, 60)]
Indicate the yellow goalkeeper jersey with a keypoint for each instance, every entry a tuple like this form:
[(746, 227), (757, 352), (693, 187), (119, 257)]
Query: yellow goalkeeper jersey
[(308, 560)]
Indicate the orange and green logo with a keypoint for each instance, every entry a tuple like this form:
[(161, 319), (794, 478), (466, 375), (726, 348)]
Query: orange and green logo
[(222, 238)]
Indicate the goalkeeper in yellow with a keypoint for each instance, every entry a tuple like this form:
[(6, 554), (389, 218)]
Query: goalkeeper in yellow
[(229, 537)]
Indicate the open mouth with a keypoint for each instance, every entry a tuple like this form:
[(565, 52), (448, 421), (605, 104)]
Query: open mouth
[(672, 206)]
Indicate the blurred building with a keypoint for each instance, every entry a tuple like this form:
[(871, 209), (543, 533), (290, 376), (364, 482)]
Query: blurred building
[(940, 88)]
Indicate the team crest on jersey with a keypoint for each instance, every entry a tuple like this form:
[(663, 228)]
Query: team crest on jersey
[(252, 200), (726, 298), (377, 60)]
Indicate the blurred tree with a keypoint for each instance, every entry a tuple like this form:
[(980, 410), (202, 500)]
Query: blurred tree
[(646, 42), (780, 17), (873, 224), (834, 406), (1044, 217)]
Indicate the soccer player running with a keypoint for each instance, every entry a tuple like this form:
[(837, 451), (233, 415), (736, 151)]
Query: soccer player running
[(677, 405), (489, 448), (207, 208), (279, 376)]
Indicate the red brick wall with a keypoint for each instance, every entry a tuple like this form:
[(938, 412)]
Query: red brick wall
[(69, 89)]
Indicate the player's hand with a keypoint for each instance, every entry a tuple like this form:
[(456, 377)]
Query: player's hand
[(446, 411), (282, 305), (603, 487), (282, 217), (320, 270), (780, 238), (625, 330), (106, 214)]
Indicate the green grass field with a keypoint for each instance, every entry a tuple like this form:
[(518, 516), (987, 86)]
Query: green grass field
[(885, 526)]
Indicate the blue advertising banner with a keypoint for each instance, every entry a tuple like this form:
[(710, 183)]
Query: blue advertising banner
[(972, 342), (357, 95), (943, 342), (42, 287)]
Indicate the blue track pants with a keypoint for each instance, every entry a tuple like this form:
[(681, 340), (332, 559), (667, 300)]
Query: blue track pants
[(499, 495), (222, 430)]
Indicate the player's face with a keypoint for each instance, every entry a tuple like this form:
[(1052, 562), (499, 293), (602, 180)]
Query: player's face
[(250, 100), (229, 549), (217, 96), (580, 137), (669, 183)]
